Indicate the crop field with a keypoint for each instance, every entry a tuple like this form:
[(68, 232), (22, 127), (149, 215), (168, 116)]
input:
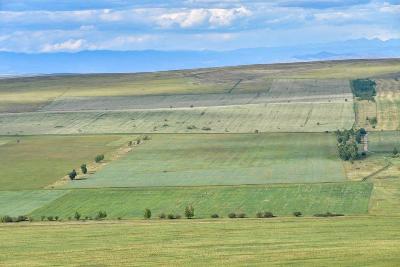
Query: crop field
[(23, 202), (32, 162), (243, 139), (187, 160), (310, 199), (349, 241), (288, 117)]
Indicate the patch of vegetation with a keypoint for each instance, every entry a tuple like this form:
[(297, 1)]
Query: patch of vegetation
[(147, 214), (348, 141), (328, 214), (364, 89), (99, 158)]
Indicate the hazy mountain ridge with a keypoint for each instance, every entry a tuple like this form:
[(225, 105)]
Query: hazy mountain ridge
[(153, 60)]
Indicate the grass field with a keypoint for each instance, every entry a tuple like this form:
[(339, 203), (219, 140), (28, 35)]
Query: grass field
[(288, 117), (215, 159), (37, 161), (310, 199), (349, 241), (23, 202)]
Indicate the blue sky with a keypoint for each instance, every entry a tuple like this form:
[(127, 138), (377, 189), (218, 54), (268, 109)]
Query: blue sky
[(52, 26)]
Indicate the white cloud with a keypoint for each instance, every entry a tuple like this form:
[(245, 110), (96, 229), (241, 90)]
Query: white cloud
[(216, 17), (67, 46)]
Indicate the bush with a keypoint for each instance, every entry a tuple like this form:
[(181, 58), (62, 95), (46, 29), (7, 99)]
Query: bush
[(268, 214), (171, 216), (42, 218), (232, 215), (56, 218), (162, 216), (214, 216), (147, 214), (297, 214), (84, 168), (260, 215), (72, 174), (395, 151), (21, 218), (189, 212), (101, 215), (6, 219), (177, 216), (50, 218), (241, 215), (146, 137), (191, 127), (77, 216), (206, 129), (99, 158)]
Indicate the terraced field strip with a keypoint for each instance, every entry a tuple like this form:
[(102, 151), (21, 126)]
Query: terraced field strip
[(346, 198), (34, 162), (223, 159), (287, 117), (388, 104), (349, 241), (15, 203)]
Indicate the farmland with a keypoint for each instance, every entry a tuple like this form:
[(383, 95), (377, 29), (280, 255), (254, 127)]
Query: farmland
[(243, 139), (215, 159), (310, 199), (349, 241), (33, 162)]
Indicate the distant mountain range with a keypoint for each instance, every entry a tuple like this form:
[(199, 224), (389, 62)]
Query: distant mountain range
[(151, 60)]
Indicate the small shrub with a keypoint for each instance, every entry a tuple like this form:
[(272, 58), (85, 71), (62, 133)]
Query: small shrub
[(72, 174), (84, 168), (99, 158), (232, 215), (191, 127), (214, 216), (171, 216), (268, 214), (297, 214), (6, 219), (147, 214), (50, 218), (146, 137), (162, 216), (256, 131), (177, 216), (260, 215), (77, 216), (241, 215), (31, 219), (395, 152), (189, 212), (101, 215), (130, 143), (119, 218), (21, 218), (206, 128), (42, 218), (56, 218)]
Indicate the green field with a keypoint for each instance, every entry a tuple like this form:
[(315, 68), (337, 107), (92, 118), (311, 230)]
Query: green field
[(281, 117), (349, 241), (241, 139), (23, 202), (223, 159), (33, 162), (310, 199)]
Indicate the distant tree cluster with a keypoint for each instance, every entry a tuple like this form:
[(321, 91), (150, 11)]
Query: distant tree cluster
[(348, 141), (364, 89)]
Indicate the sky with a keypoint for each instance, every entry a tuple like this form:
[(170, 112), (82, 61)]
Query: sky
[(35, 26)]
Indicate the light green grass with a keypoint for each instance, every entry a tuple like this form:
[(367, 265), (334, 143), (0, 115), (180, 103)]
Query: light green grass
[(15, 203), (223, 159), (288, 117), (37, 161), (354, 241), (345, 198)]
